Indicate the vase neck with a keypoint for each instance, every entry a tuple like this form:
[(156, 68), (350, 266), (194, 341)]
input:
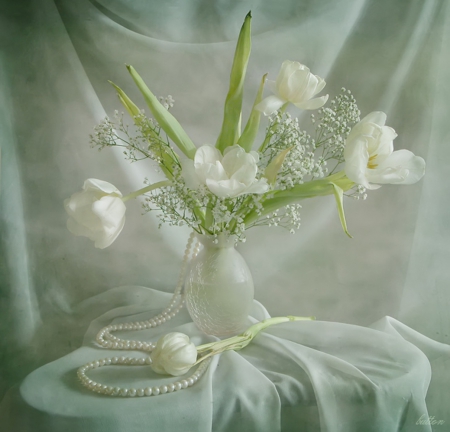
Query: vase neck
[(222, 241)]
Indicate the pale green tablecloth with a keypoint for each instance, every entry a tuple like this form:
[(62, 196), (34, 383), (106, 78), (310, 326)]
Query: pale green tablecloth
[(299, 376)]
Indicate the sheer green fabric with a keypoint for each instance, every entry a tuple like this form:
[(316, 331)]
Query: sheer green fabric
[(55, 59)]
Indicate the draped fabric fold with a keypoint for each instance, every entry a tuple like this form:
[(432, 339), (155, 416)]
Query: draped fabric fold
[(313, 375), (55, 59)]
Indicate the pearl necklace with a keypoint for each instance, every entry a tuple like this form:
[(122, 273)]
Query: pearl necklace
[(106, 340)]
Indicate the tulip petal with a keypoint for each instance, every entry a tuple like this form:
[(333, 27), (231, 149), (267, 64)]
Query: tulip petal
[(313, 104), (107, 188), (283, 83), (272, 86), (401, 167), (258, 187), (320, 85), (310, 88), (377, 117), (207, 154), (356, 159), (270, 104)]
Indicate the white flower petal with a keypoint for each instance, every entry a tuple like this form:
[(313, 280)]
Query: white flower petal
[(377, 117), (270, 104), (97, 212), (313, 103), (100, 185), (272, 86), (401, 167), (207, 154), (356, 160), (259, 187)]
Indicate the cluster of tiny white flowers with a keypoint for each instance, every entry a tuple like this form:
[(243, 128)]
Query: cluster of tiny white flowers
[(358, 192), (306, 160), (144, 141), (286, 217), (167, 101), (334, 125)]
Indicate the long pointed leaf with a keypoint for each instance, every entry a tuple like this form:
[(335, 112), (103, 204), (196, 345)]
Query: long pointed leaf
[(272, 169), (247, 138), (134, 112), (339, 195), (129, 105), (229, 134), (164, 118)]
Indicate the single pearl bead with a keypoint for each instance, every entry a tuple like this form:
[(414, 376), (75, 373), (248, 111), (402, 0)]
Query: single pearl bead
[(148, 391), (123, 392), (115, 360), (190, 382), (148, 360), (184, 384), (140, 392), (178, 385), (132, 392), (116, 391), (171, 388), (155, 391), (163, 389)]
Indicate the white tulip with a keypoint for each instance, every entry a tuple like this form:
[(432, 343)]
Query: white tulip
[(294, 84), (174, 354), (370, 159), (226, 176), (97, 212)]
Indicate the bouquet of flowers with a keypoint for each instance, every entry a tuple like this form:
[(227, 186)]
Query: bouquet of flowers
[(240, 183)]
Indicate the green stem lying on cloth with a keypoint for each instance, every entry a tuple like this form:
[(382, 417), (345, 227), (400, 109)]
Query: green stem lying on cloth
[(241, 341)]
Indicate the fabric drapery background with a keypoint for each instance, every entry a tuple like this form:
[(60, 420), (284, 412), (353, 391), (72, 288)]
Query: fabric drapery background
[(55, 60)]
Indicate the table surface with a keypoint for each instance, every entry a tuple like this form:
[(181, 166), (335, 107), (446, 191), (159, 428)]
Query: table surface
[(308, 375)]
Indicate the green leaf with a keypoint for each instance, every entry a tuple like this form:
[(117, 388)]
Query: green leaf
[(129, 105), (272, 169), (339, 195), (134, 112), (247, 138), (280, 198), (229, 133), (164, 118)]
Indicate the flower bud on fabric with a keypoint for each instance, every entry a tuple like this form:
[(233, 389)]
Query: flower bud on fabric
[(370, 159), (226, 176), (294, 84), (97, 212), (174, 354)]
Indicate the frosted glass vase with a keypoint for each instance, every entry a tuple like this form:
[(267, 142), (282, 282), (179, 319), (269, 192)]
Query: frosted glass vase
[(219, 288)]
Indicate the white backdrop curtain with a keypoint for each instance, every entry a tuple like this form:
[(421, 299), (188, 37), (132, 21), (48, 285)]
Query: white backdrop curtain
[(55, 60)]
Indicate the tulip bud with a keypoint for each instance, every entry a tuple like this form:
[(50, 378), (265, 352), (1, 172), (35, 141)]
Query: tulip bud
[(174, 354)]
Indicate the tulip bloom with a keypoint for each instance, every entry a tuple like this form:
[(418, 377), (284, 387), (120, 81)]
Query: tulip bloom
[(174, 354), (97, 212), (294, 84), (226, 176), (370, 159)]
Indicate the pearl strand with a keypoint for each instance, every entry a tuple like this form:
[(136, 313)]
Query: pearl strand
[(106, 340), (132, 392)]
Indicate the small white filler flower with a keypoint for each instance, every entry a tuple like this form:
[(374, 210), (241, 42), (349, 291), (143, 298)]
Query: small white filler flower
[(370, 159), (174, 354), (294, 84), (97, 212)]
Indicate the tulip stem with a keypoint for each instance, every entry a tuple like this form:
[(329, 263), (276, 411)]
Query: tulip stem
[(146, 189), (241, 341)]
